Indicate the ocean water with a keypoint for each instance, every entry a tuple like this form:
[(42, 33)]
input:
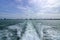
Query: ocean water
[(32, 30)]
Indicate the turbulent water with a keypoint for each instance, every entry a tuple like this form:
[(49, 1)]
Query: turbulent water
[(30, 30)]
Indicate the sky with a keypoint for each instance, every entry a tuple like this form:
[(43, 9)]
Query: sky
[(29, 9)]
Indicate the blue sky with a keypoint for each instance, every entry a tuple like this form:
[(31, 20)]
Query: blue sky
[(29, 8)]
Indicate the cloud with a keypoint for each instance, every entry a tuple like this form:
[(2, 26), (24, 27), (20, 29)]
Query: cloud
[(44, 4), (40, 8), (12, 16), (39, 5), (34, 9)]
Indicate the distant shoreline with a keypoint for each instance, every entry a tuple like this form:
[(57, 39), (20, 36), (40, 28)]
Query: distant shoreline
[(29, 19)]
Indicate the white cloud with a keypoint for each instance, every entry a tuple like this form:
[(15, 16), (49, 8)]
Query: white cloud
[(45, 15), (32, 1), (12, 15), (44, 3), (45, 6), (35, 9)]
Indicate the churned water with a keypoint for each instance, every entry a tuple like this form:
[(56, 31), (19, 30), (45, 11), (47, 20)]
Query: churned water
[(32, 30)]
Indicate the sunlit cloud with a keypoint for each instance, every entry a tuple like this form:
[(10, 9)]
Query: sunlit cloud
[(44, 3), (33, 8)]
